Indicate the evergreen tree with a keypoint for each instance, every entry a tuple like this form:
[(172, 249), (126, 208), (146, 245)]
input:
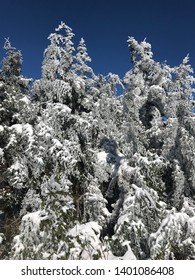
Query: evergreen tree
[(58, 57), (82, 58), (12, 63), (155, 91), (15, 141)]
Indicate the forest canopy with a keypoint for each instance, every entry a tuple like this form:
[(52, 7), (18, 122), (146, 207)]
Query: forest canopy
[(87, 173)]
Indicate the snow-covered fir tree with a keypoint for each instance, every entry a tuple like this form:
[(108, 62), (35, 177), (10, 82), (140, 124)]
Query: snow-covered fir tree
[(86, 173), (16, 139)]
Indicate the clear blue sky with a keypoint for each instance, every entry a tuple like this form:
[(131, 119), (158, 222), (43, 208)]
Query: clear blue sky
[(105, 25)]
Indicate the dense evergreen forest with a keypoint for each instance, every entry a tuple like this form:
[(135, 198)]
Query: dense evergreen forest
[(87, 173)]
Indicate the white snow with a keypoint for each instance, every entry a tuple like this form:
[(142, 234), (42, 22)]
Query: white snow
[(11, 141), (79, 84), (1, 128), (85, 229), (86, 240), (62, 108), (102, 157), (56, 145), (121, 220), (15, 166), (1, 238), (25, 100), (39, 160), (28, 129), (18, 246), (83, 122), (17, 128), (127, 256), (143, 193), (171, 227), (125, 169), (26, 79), (191, 226), (34, 218), (29, 227), (1, 153), (156, 88)]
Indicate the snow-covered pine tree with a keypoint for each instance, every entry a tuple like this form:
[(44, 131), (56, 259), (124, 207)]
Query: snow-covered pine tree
[(62, 164), (16, 138), (157, 145), (12, 63), (58, 56), (82, 58)]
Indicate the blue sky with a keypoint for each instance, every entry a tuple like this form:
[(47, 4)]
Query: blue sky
[(105, 25)]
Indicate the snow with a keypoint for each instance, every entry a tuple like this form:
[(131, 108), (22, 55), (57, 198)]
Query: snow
[(34, 218), (121, 220), (17, 128), (86, 240), (18, 246), (129, 255), (126, 195), (139, 193), (28, 129), (191, 226), (1, 153), (125, 170), (15, 166), (85, 229), (171, 228), (1, 128), (84, 122), (27, 80), (39, 160), (79, 84), (156, 89), (105, 212), (25, 100), (67, 201), (1, 238), (30, 227), (62, 108), (102, 157), (56, 145)]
